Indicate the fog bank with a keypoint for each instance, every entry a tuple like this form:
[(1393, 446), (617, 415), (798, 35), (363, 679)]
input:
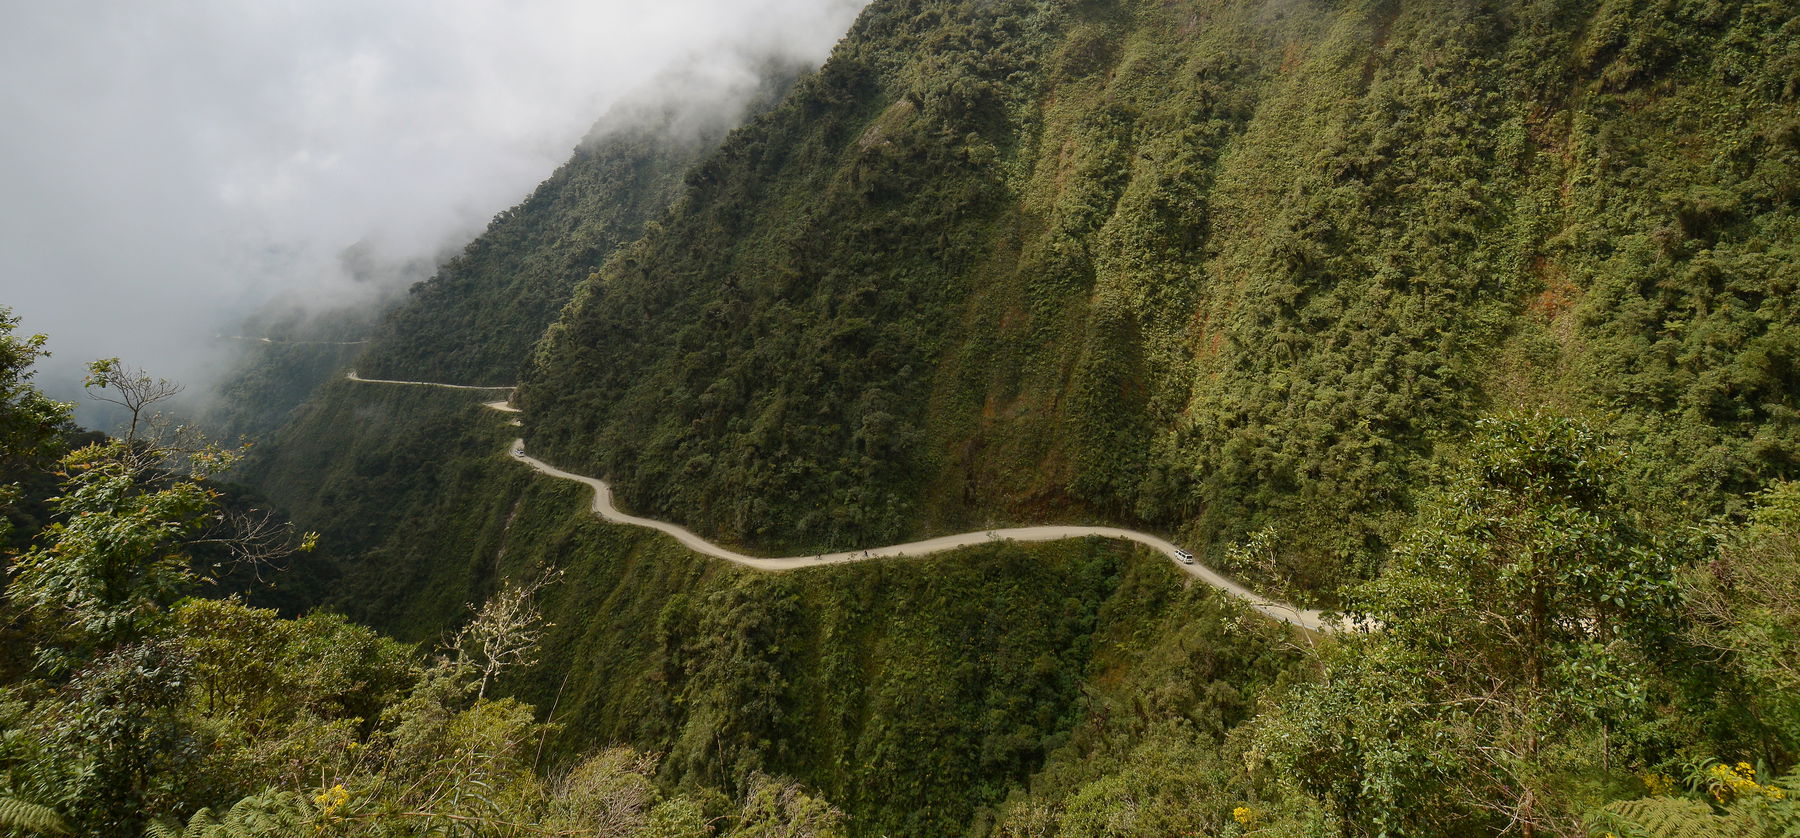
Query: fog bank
[(170, 167)]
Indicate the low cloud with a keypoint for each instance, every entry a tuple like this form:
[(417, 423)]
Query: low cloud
[(169, 167)]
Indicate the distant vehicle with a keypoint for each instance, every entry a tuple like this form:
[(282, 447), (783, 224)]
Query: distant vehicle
[(1184, 556)]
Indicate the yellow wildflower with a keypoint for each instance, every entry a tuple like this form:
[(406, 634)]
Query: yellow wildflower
[(1659, 785), (1734, 781), (1243, 814), (331, 799)]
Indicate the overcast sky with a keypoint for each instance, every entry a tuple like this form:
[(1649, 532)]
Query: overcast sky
[(167, 166)]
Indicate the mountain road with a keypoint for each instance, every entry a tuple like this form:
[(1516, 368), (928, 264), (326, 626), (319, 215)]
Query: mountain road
[(603, 506)]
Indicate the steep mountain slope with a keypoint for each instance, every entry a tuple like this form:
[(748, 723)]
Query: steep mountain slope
[(286, 352), (1246, 272), (1225, 268), (478, 317), (911, 692)]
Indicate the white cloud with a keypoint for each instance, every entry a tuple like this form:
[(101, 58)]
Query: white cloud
[(168, 166)]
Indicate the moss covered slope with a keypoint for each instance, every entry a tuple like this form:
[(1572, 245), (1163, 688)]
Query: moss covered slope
[(914, 693), (1217, 267)]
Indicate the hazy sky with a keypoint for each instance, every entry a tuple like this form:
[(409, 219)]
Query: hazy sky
[(166, 166)]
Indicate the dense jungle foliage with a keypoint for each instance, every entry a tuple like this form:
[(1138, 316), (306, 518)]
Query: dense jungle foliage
[(1475, 320), (1551, 657), (282, 352), (128, 706), (1221, 268), (910, 693)]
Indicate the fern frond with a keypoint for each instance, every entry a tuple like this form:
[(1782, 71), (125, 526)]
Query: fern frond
[(1776, 812), (266, 815), (30, 817), (1668, 817)]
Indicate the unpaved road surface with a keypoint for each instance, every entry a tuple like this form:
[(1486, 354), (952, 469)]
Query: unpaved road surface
[(604, 507), (354, 377)]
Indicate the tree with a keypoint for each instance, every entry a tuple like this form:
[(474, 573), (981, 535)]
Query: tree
[(99, 584), (1520, 617), (30, 423), (132, 388), (131, 512), (775, 808), (1745, 606), (504, 633), (116, 560), (153, 713)]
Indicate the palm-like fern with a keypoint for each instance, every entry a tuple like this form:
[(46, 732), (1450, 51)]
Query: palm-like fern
[(267, 815), (1667, 817), (1764, 815), (16, 814)]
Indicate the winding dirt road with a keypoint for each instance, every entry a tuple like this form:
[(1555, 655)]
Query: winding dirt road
[(354, 377), (604, 507)]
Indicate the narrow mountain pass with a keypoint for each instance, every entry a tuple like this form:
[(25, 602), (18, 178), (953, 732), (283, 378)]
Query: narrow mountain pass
[(603, 506), (354, 377)]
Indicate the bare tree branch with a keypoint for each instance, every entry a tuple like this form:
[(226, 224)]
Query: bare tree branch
[(505, 631), (134, 389)]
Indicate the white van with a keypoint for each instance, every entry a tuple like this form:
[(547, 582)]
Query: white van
[(1184, 556)]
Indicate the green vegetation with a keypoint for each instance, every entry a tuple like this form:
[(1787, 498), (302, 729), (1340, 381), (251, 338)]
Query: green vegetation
[(910, 693), (918, 691), (1544, 665), (1212, 267), (280, 361), (270, 381), (476, 318), (287, 349), (1544, 646), (1527, 619), (403, 487), (1476, 321), (149, 712), (33, 429), (475, 321)]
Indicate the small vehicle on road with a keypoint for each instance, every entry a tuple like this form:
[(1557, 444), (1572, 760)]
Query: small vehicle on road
[(1184, 557)]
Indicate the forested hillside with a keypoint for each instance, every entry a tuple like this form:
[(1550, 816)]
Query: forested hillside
[(911, 693), (131, 706), (1223, 268), (476, 316), (476, 320), (1476, 320), (280, 359)]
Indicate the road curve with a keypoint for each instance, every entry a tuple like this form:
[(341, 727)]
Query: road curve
[(354, 377), (603, 506)]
